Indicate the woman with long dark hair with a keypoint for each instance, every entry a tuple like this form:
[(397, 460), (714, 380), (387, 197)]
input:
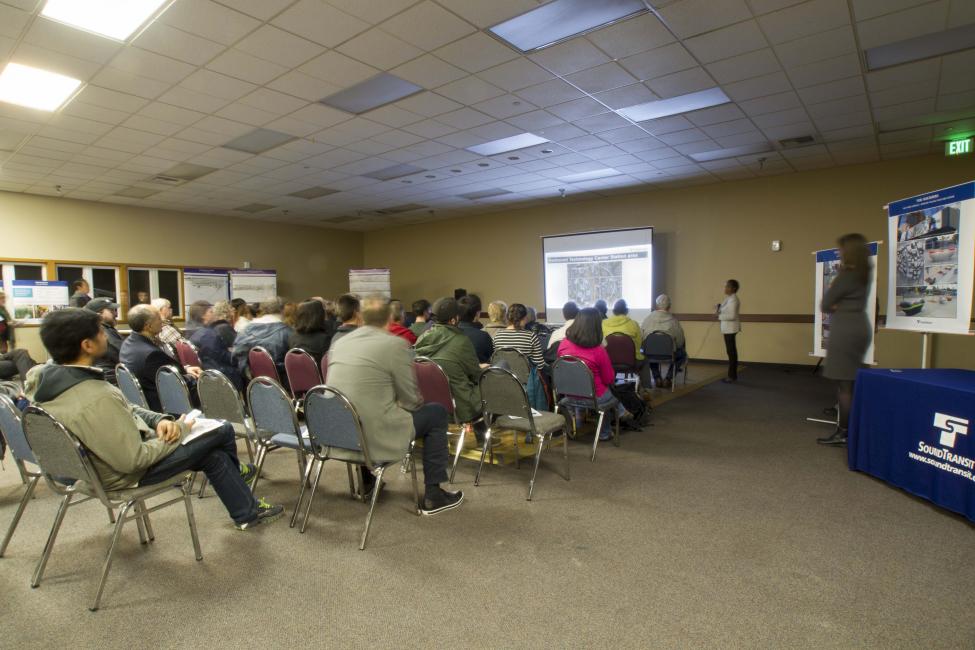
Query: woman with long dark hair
[(313, 333), (849, 326)]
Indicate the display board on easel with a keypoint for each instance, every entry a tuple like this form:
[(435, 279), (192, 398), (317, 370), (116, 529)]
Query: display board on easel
[(364, 282), (211, 285), (253, 285), (827, 268)]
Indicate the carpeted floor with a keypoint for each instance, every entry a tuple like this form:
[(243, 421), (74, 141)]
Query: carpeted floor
[(723, 525)]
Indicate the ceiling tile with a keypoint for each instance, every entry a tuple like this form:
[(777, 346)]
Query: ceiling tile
[(486, 14), (319, 22), (769, 84), (658, 62), (371, 12), (804, 19), (470, 90), (570, 56), (909, 73), (304, 86), (744, 66), (175, 43), (476, 52), (380, 49), (465, 118), (535, 120), (93, 94), (68, 40), (515, 75), (242, 65), (41, 57), (12, 21), (272, 101), (577, 109), (209, 20), (902, 25), (429, 129), (218, 85), (728, 41), (626, 96), (186, 98), (603, 77), (601, 122), (427, 26), (846, 65), (715, 115), (549, 93), (428, 104), (278, 46), (503, 107), (124, 82), (692, 17), (681, 83), (637, 34), (246, 114), (824, 45), (956, 72), (428, 71), (260, 9)]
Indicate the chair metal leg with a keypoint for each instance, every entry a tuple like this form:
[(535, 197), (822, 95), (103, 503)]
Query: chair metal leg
[(141, 525), (250, 448), (46, 555), (372, 506), (123, 511), (538, 458), (145, 517), (416, 490), (311, 497), (460, 448), (28, 493), (261, 455), (484, 451), (191, 520), (303, 481), (111, 515), (348, 467), (203, 488), (565, 450), (517, 451), (595, 439), (616, 428)]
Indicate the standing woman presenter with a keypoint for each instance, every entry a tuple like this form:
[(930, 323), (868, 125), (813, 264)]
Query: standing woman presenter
[(728, 312), (849, 326)]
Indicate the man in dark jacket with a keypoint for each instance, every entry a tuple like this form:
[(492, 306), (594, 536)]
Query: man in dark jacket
[(143, 357), (214, 353), (107, 311), (349, 315), (267, 331), (470, 309), (79, 293)]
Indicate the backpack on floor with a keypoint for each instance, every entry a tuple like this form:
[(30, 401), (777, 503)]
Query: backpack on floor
[(631, 401)]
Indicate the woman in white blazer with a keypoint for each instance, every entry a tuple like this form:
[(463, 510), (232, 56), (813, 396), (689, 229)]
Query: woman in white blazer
[(730, 326)]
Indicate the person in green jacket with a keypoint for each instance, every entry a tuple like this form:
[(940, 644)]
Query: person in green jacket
[(621, 323)]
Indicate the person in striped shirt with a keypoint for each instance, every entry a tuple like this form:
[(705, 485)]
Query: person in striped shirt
[(517, 337)]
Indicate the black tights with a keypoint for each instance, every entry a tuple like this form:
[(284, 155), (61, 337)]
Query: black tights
[(844, 400)]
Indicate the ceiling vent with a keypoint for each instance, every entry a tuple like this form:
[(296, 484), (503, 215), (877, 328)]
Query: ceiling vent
[(162, 179), (313, 193), (796, 142), (483, 194), (397, 209)]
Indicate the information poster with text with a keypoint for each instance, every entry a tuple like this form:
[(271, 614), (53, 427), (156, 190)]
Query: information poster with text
[(827, 268), (253, 285), (33, 299)]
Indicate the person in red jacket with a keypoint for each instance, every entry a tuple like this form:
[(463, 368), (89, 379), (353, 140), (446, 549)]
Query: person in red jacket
[(395, 325)]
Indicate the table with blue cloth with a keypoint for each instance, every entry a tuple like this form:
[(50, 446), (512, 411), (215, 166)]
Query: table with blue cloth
[(914, 429)]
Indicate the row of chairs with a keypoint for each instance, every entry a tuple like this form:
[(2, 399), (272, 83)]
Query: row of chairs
[(657, 347)]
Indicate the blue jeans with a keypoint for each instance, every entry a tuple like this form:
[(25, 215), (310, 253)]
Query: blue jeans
[(214, 454), (608, 402)]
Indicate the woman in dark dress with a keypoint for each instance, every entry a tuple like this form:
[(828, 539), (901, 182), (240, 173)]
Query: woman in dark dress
[(849, 327), (313, 333)]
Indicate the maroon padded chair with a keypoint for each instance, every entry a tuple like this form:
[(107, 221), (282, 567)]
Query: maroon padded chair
[(434, 387), (302, 372), (622, 354), (324, 367), (261, 364), (188, 355)]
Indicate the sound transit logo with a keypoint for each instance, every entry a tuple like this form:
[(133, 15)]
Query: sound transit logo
[(950, 427)]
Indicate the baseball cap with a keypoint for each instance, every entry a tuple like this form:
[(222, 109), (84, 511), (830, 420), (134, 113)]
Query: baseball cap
[(445, 309), (99, 304)]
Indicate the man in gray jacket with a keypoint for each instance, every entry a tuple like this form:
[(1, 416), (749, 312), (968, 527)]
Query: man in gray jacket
[(661, 320), (374, 369)]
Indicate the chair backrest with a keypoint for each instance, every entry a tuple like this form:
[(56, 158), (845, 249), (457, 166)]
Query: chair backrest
[(219, 400), (333, 421), (60, 455), (261, 364), (13, 431), (129, 385), (324, 367), (622, 352), (503, 394), (433, 383), (271, 407), (188, 354), (572, 377), (517, 362), (174, 396), (658, 346), (302, 371)]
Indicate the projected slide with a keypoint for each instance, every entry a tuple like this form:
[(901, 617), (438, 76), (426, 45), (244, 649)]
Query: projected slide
[(606, 265)]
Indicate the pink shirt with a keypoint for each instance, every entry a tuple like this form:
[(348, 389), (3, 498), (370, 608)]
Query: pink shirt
[(598, 361)]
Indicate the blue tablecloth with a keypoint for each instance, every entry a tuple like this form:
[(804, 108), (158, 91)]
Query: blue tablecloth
[(916, 429)]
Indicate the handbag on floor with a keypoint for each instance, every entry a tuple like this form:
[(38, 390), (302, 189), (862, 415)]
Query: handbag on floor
[(631, 401)]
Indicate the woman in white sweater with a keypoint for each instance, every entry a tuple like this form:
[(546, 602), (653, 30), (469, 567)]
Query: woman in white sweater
[(730, 326)]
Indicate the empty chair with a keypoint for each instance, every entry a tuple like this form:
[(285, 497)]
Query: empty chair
[(576, 388), (219, 400), (324, 367), (275, 423), (335, 433), (622, 353), (13, 433), (188, 354), (302, 372), (516, 360), (174, 396), (68, 471), (261, 364), (660, 347), (434, 386), (129, 385), (505, 405)]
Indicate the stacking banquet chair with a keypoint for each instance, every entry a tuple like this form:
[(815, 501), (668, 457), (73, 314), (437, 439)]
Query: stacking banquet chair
[(335, 433), (622, 354), (575, 388), (174, 395), (302, 372), (275, 423), (188, 354), (505, 405), (261, 364), (66, 467), (129, 385), (660, 346), (219, 400), (517, 362), (324, 367), (13, 433), (435, 389)]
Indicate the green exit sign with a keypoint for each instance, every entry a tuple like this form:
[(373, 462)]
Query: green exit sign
[(958, 147)]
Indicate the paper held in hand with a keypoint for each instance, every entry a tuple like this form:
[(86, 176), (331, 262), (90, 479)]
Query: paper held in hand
[(200, 427)]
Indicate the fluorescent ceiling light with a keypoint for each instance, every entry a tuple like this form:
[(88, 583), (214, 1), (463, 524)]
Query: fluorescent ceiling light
[(116, 19), (254, 207), (606, 172), (732, 152), (675, 105), (35, 88), (313, 192), (395, 171), (259, 141), (372, 93), (921, 47), (483, 194), (931, 119), (562, 19), (507, 144)]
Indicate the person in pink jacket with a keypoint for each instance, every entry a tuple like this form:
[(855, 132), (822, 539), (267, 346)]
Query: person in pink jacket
[(584, 339)]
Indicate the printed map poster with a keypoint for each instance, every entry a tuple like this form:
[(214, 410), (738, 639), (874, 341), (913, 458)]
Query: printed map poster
[(364, 282), (211, 285), (253, 285), (932, 261), (827, 268), (33, 299)]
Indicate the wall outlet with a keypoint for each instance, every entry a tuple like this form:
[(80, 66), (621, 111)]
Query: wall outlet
[(776, 245)]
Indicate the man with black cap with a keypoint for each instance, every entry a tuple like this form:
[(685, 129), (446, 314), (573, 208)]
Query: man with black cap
[(108, 312)]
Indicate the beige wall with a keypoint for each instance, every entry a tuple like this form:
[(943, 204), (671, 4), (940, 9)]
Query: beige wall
[(704, 235), (309, 261)]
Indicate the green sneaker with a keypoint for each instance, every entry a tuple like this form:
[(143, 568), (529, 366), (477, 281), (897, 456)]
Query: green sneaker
[(248, 472), (266, 513)]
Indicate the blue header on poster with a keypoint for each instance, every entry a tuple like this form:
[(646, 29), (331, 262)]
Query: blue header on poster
[(253, 272), (833, 254), (205, 271), (963, 192)]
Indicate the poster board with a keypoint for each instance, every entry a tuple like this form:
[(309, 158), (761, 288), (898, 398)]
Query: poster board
[(827, 268), (363, 282), (211, 285), (33, 299), (253, 285), (932, 261)]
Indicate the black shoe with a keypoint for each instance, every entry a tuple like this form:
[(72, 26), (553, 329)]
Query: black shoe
[(266, 513), (838, 439), (440, 501)]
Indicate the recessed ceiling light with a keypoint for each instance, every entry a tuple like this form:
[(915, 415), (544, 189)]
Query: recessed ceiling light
[(35, 88), (372, 93), (562, 19), (254, 207), (116, 19), (921, 47), (259, 141), (395, 171), (503, 145), (675, 105), (546, 151), (313, 193), (606, 172), (732, 152), (483, 194)]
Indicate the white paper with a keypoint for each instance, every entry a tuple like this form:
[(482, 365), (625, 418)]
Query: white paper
[(518, 417), (200, 427)]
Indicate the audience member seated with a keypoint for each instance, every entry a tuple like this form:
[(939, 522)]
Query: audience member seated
[(108, 312), (223, 322), (661, 320), (470, 309), (396, 326), (266, 331), (569, 311), (350, 318), (13, 363), (193, 319), (313, 333), (517, 337), (374, 369), (497, 317), (602, 308), (621, 323), (288, 314), (169, 334), (421, 317), (129, 445), (584, 340), (79, 293), (244, 315), (143, 356), (212, 348)]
